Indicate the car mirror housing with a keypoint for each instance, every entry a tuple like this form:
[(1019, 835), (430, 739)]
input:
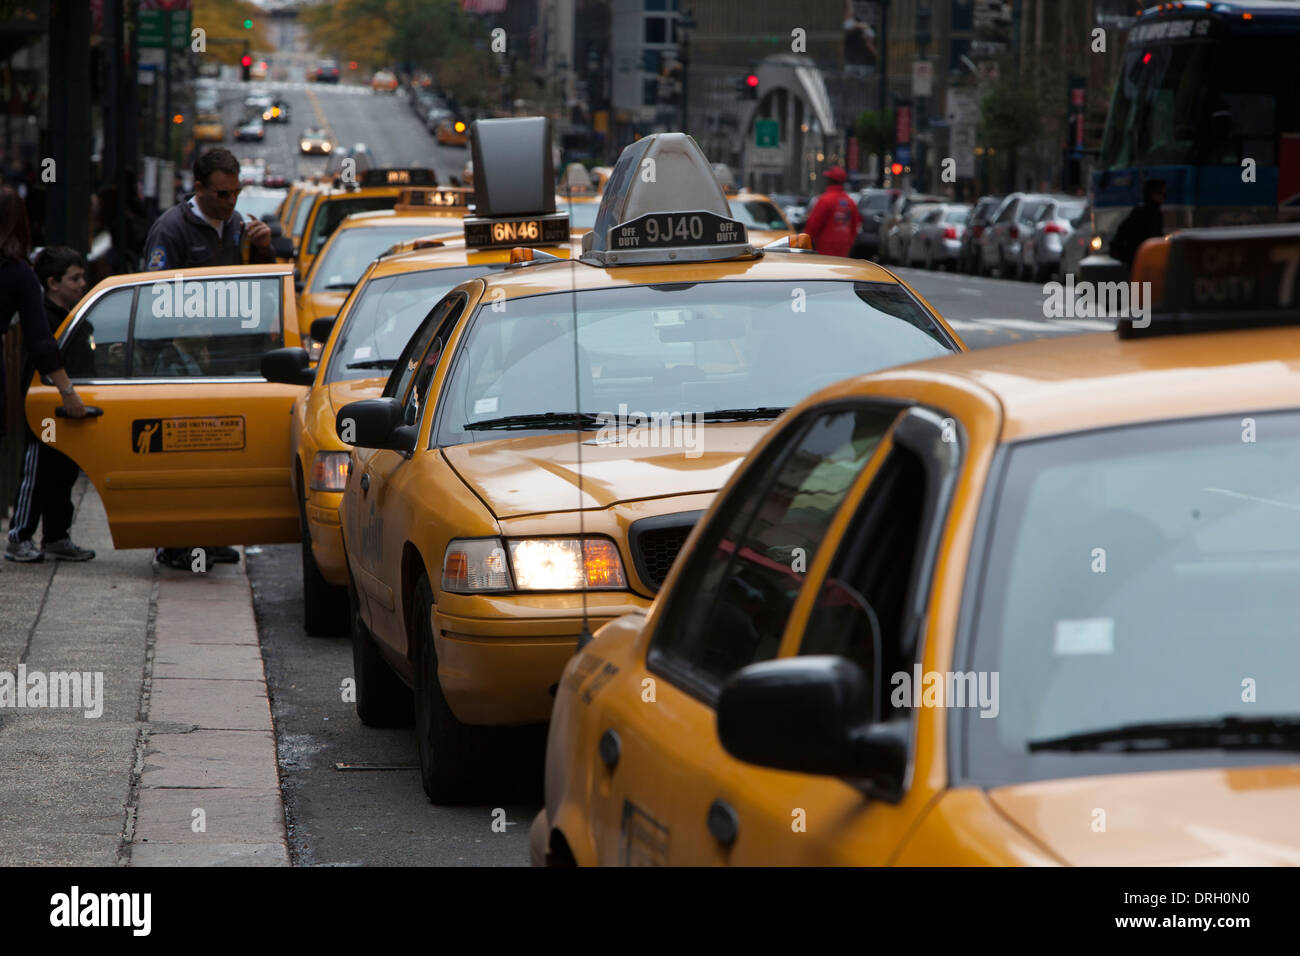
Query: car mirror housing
[(812, 715), (282, 247), (374, 423), (290, 366), (320, 328)]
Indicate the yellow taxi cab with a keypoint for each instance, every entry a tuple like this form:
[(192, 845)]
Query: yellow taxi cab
[(1026, 605), (185, 438), (208, 128), (297, 209), (373, 189), (357, 240), (516, 481), (451, 132), (375, 322), (579, 194), (762, 217)]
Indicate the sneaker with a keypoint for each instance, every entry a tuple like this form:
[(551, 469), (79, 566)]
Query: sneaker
[(222, 554), (24, 551), (65, 550)]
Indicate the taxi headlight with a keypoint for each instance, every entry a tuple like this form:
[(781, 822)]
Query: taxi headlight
[(305, 145), (472, 565), (329, 471), (566, 564), (1095, 244), (326, 147)]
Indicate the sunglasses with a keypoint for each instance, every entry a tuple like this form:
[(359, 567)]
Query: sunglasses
[(224, 193)]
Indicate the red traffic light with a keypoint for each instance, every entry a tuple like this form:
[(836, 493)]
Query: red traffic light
[(352, 64), (752, 81), (896, 169), (246, 61)]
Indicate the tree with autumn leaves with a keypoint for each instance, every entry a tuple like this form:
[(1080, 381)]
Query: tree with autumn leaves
[(225, 18)]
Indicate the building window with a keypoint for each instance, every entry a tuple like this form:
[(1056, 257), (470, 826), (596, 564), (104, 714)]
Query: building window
[(656, 30), (650, 92), (656, 4), (650, 61)]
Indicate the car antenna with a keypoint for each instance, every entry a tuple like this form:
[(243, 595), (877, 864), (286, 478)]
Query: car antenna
[(584, 636)]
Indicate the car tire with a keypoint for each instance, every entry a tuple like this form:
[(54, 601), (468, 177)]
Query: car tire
[(382, 699), (450, 752), (323, 604)]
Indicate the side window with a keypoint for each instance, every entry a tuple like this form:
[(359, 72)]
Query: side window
[(1009, 213), (410, 363), (751, 562), (96, 347), (205, 328)]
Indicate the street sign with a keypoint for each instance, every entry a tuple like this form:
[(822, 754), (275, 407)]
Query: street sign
[(767, 134), (922, 78), (157, 25), (903, 130), (963, 116), (903, 154)]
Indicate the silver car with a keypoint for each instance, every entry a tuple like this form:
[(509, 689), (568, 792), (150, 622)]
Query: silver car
[(937, 240), (1079, 244), (897, 243), (1000, 244), (1040, 252)]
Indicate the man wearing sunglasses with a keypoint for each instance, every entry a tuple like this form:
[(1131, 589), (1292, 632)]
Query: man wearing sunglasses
[(205, 230)]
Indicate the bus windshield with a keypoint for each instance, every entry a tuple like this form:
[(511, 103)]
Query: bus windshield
[(1203, 103)]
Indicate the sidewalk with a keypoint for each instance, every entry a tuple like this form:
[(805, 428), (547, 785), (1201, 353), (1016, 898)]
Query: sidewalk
[(180, 767)]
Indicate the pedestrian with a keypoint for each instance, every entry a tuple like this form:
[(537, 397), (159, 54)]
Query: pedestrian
[(44, 492), (205, 230), (834, 221), (1144, 222)]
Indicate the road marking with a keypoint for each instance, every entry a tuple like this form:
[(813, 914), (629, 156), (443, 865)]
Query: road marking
[(320, 114)]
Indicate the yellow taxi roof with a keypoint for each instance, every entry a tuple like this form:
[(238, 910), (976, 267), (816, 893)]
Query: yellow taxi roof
[(399, 217), (451, 251), (1076, 383)]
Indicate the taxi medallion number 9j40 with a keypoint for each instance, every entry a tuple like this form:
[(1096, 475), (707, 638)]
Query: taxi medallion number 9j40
[(704, 228)]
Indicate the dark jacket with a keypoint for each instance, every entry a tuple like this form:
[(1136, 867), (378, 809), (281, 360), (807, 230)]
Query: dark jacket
[(180, 239), (20, 291), (1146, 221)]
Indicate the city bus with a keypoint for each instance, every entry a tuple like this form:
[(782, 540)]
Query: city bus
[(1209, 102)]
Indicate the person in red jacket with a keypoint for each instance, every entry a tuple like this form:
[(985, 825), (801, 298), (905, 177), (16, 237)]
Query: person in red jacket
[(835, 221)]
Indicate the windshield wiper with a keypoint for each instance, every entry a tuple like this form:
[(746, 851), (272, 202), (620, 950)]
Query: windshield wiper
[(373, 363), (1224, 733), (339, 285), (547, 420), (741, 414)]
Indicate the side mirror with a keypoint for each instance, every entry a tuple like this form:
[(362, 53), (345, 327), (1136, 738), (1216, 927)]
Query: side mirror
[(320, 329), (374, 423), (282, 247), (812, 715), (288, 367)]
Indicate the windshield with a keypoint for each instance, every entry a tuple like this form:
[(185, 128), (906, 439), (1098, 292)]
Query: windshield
[(385, 316), (258, 204), (1209, 103), (346, 258), (582, 215), (335, 211), (1138, 575), (679, 348), (758, 214)]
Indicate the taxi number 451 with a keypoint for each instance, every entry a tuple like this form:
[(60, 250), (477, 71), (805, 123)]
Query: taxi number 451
[(674, 227)]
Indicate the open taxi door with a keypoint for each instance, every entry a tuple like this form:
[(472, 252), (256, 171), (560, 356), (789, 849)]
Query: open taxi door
[(187, 444)]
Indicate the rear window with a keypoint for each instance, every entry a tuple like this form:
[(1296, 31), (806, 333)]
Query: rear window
[(336, 210), (346, 258), (1029, 209), (956, 215)]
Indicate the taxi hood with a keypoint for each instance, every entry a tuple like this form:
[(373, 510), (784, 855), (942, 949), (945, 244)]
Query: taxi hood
[(1214, 817), (539, 474)]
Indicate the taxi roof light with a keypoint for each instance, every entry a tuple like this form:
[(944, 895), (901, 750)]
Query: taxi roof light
[(514, 185), (663, 203), (523, 256)]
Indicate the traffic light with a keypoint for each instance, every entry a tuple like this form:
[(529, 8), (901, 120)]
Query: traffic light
[(896, 169), (747, 86), (246, 67), (248, 24)]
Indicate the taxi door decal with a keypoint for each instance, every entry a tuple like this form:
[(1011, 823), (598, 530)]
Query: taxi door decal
[(199, 433)]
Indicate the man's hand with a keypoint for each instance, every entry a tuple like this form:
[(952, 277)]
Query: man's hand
[(259, 233), (73, 404)]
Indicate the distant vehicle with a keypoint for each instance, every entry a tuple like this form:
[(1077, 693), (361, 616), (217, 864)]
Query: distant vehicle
[(252, 172), (208, 128), (1078, 245), (315, 142), (383, 82), (936, 243), (1000, 246), (359, 153), (874, 206), (1040, 253), (450, 131), (985, 209), (251, 130), (326, 71), (277, 112), (794, 207), (259, 101), (259, 201), (896, 246), (259, 70)]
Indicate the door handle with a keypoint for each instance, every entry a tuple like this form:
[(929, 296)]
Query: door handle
[(92, 411), (365, 481), (724, 824)]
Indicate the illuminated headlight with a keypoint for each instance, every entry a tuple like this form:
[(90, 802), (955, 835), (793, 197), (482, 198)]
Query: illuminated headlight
[(305, 145), (475, 565), (313, 348), (329, 471), (539, 564), (1096, 243), (326, 147)]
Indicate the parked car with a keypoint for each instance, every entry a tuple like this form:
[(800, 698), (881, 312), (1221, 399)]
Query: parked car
[(252, 129), (899, 208), (1040, 253), (896, 247), (873, 205), (326, 71), (383, 82), (1000, 246), (937, 240), (986, 207), (1078, 245), (794, 207)]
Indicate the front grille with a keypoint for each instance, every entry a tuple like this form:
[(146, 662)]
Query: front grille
[(655, 543)]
